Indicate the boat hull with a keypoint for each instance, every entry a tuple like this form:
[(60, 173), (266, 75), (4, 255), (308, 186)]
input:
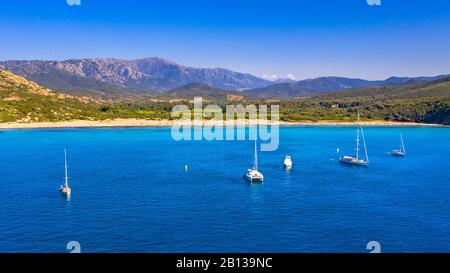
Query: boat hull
[(65, 191), (398, 154), (254, 180), (254, 176), (287, 162), (354, 162)]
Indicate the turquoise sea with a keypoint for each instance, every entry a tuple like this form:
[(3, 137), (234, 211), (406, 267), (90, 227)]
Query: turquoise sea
[(131, 192)]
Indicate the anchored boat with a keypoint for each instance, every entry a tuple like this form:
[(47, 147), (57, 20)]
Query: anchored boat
[(287, 161), (355, 159), (65, 190), (253, 175), (401, 151)]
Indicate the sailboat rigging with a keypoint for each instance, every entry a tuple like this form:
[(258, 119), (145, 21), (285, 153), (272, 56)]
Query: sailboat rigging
[(65, 190), (356, 160), (401, 151), (253, 175)]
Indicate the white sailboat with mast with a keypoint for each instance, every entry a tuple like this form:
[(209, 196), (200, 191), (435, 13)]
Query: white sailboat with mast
[(253, 175), (65, 189), (356, 160), (401, 151)]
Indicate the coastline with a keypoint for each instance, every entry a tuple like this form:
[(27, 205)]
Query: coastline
[(169, 123)]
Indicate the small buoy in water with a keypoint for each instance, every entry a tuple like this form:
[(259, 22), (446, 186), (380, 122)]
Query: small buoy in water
[(337, 150), (186, 168)]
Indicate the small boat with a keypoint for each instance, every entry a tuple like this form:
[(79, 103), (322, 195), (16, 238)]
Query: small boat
[(65, 190), (401, 151), (253, 175), (355, 159), (287, 161)]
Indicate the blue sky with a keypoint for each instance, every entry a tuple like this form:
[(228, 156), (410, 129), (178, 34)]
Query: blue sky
[(306, 39)]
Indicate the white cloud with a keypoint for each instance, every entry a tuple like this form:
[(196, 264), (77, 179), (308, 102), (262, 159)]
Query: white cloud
[(274, 77), (290, 77), (73, 2)]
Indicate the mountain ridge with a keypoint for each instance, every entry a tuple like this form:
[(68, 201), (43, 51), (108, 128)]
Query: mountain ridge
[(311, 87), (154, 76), (150, 75)]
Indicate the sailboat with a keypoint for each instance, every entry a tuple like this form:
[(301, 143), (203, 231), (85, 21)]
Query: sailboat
[(253, 175), (401, 151), (356, 160), (65, 190)]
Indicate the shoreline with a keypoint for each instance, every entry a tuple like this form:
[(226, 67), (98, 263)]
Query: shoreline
[(169, 123)]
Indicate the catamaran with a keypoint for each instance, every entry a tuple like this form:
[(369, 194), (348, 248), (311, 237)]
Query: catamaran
[(356, 160), (401, 151), (253, 175), (65, 190), (287, 162)]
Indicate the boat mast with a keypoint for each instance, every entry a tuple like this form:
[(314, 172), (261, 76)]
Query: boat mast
[(364, 142), (255, 163), (357, 138), (403, 145), (65, 168)]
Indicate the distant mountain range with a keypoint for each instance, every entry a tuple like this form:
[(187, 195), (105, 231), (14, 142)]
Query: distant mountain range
[(143, 76), (312, 87), (156, 76)]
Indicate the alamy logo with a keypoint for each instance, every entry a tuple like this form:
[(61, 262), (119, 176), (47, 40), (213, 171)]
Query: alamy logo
[(74, 247), (73, 2), (210, 123), (374, 247), (374, 2)]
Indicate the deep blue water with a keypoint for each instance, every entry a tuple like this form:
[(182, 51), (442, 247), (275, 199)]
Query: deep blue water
[(131, 193)]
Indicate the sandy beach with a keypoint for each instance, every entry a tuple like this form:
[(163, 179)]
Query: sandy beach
[(168, 123)]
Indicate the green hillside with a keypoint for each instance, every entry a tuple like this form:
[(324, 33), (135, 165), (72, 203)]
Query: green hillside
[(25, 101), (22, 100), (202, 90), (423, 102)]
